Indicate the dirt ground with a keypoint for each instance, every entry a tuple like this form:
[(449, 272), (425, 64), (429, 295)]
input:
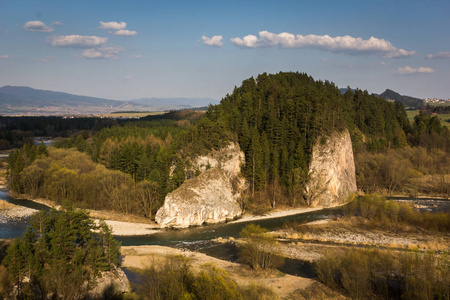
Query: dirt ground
[(282, 284)]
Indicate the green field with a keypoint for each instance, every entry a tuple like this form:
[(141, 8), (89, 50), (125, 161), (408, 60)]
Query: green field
[(132, 114), (445, 118)]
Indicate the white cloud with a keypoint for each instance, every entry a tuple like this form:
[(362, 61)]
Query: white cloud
[(112, 25), (118, 27), (75, 41), (408, 70), (346, 44), (125, 32), (4, 56), (37, 26), (439, 55), (56, 23), (103, 52), (215, 41), (137, 56), (47, 59)]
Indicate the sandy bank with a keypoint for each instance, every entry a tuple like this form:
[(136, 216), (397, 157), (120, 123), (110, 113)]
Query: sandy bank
[(10, 211), (281, 213), (142, 256), (127, 228)]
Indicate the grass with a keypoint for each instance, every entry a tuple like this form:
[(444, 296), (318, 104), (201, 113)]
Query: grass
[(5, 205), (132, 114), (445, 118)]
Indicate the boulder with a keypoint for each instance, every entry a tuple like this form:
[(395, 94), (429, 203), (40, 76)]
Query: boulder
[(208, 198), (332, 170)]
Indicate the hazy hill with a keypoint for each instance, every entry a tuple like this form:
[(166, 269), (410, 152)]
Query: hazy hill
[(29, 101), (15, 96), (407, 101)]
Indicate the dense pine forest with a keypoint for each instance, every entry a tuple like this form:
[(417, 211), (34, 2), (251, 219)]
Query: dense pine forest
[(130, 166)]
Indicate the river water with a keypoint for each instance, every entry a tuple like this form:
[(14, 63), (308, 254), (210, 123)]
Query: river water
[(195, 238), (189, 237)]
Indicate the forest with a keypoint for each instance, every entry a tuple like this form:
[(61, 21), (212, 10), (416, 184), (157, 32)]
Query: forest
[(130, 166)]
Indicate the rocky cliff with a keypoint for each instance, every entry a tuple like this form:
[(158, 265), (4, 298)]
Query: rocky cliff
[(331, 171), (211, 196)]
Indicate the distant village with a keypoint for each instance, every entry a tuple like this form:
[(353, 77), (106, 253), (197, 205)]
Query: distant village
[(436, 101)]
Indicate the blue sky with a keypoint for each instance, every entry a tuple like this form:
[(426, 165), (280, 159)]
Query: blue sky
[(133, 49)]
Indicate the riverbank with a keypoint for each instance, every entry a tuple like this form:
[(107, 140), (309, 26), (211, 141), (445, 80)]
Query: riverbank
[(11, 212), (139, 257)]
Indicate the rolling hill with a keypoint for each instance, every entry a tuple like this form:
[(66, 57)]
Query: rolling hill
[(21, 100)]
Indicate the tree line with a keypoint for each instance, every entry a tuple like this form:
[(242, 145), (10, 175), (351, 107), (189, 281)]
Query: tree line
[(59, 256)]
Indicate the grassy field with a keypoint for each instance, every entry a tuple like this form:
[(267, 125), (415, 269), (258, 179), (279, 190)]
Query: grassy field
[(445, 119), (133, 114)]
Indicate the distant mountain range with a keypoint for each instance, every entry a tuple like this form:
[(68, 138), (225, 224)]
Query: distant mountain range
[(26, 100), (407, 101)]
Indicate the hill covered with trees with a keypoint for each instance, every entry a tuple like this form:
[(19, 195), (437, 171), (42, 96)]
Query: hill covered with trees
[(407, 101), (275, 118)]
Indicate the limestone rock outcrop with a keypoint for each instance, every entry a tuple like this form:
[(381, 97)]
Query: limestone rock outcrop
[(207, 198), (227, 158), (331, 171), (210, 197)]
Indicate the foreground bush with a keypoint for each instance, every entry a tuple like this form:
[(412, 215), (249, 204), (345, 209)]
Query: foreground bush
[(258, 248), (174, 279), (375, 274)]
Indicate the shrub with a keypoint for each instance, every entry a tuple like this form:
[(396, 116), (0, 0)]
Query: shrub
[(258, 248)]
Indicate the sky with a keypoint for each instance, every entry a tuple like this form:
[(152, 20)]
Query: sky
[(124, 50)]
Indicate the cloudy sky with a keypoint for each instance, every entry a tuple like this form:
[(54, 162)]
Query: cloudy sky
[(131, 49)]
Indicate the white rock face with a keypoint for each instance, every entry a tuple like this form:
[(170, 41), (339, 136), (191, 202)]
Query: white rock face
[(332, 170), (211, 196), (228, 159), (207, 198)]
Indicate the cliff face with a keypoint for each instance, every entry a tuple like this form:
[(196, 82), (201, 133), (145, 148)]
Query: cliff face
[(211, 196), (331, 171)]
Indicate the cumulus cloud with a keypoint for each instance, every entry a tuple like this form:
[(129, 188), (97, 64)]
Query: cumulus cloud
[(56, 23), (346, 44), (125, 32), (215, 41), (408, 70), (439, 55), (4, 56), (47, 59), (37, 26), (116, 28), (103, 52), (75, 41), (112, 25)]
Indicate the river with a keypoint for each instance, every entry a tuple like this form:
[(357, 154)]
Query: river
[(188, 237), (195, 238)]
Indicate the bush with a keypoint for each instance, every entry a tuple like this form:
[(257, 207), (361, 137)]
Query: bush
[(258, 248), (381, 212), (372, 274)]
